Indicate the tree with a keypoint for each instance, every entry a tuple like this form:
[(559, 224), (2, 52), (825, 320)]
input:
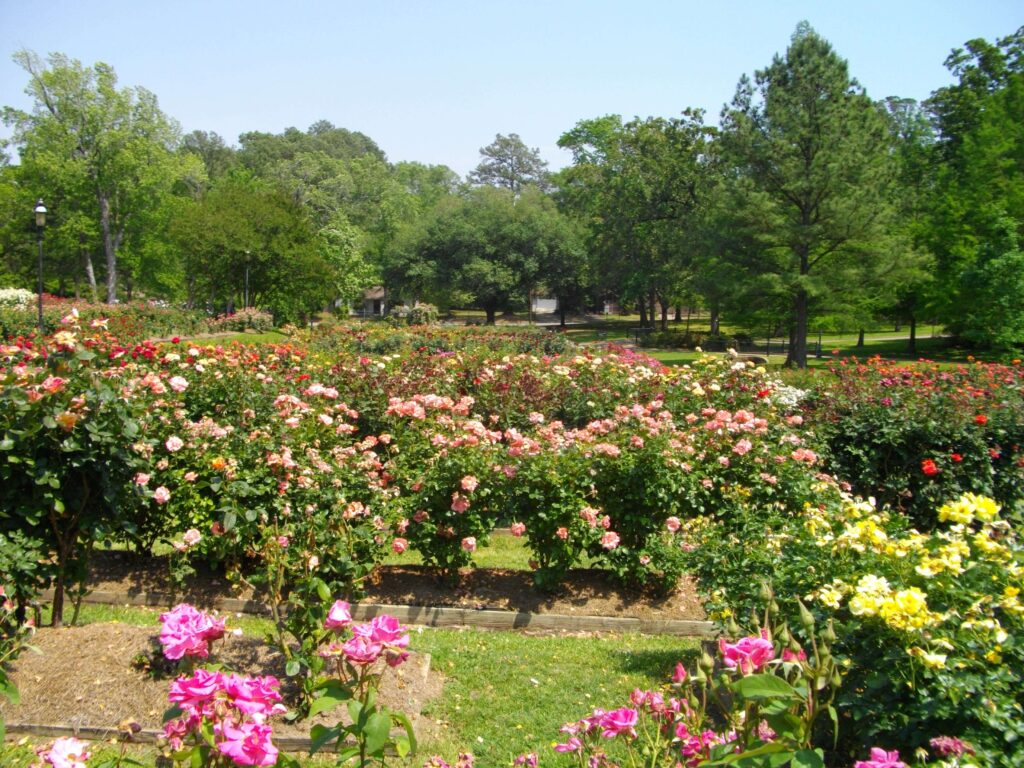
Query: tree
[(487, 250), (978, 187), (508, 163), (812, 156), (108, 153), (639, 188)]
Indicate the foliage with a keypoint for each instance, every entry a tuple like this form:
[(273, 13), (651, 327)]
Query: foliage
[(913, 436), (508, 163), (812, 161)]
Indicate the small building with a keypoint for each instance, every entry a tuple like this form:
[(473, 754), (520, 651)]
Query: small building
[(374, 303), (540, 306)]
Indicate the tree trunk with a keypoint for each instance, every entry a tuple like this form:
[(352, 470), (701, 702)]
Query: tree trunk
[(860, 338), (111, 242), (664, 316), (651, 303), (798, 332), (90, 273), (491, 314), (912, 342), (561, 314), (643, 313), (679, 314), (687, 319), (714, 319)]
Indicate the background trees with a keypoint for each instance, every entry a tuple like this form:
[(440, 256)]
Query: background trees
[(106, 154), (812, 154), (808, 203)]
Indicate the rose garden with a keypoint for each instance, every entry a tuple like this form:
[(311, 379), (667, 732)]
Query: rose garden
[(853, 535)]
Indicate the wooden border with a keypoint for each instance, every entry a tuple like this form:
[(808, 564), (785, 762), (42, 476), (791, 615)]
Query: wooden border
[(437, 616)]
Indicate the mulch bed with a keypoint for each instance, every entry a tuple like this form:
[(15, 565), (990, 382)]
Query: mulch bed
[(85, 676)]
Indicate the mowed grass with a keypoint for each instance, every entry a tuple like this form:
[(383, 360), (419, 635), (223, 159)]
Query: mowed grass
[(504, 692), (501, 551)]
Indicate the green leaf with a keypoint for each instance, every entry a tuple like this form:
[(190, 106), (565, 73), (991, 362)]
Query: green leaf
[(172, 713), (10, 690), (328, 701), (320, 735), (322, 590), (7, 444), (808, 758), (410, 738), (376, 731), (292, 668), (765, 687)]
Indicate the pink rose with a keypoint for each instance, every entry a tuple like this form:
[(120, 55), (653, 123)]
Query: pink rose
[(399, 545), (141, 478), (257, 697), (673, 524), (282, 542), (192, 693), (459, 503), (362, 650), (469, 483), (881, 759), (562, 533), (679, 675), (53, 384), (178, 384), (174, 443), (610, 540), (517, 529), (748, 654), (191, 537), (742, 447), (247, 744), (161, 495), (619, 721), (190, 477), (186, 631), (469, 544), (339, 616), (66, 752)]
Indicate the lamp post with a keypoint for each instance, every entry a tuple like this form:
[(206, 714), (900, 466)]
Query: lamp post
[(40, 211), (247, 279)]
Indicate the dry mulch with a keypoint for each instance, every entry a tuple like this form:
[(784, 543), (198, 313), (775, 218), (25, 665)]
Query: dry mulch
[(85, 676), (585, 592)]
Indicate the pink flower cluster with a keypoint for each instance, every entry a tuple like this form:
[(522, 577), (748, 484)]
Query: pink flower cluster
[(187, 631), (381, 636), (749, 654), (237, 708), (65, 752)]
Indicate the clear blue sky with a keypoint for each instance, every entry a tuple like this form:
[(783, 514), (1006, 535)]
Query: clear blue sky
[(435, 80)]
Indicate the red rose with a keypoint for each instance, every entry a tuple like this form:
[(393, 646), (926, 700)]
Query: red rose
[(956, 457), (929, 468), (981, 418)]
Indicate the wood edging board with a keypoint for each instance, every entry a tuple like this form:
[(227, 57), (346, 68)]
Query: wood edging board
[(437, 616)]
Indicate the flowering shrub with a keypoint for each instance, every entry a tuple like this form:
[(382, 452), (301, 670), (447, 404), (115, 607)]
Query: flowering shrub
[(242, 320), (929, 624), (128, 321), (914, 436), (16, 298)]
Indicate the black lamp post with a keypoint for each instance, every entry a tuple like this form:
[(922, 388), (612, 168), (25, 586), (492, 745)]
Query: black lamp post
[(40, 212)]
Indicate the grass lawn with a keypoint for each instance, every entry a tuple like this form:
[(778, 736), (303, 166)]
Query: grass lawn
[(504, 692)]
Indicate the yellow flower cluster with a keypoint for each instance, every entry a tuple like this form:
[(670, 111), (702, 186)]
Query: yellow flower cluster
[(968, 508), (949, 557), (905, 610)]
